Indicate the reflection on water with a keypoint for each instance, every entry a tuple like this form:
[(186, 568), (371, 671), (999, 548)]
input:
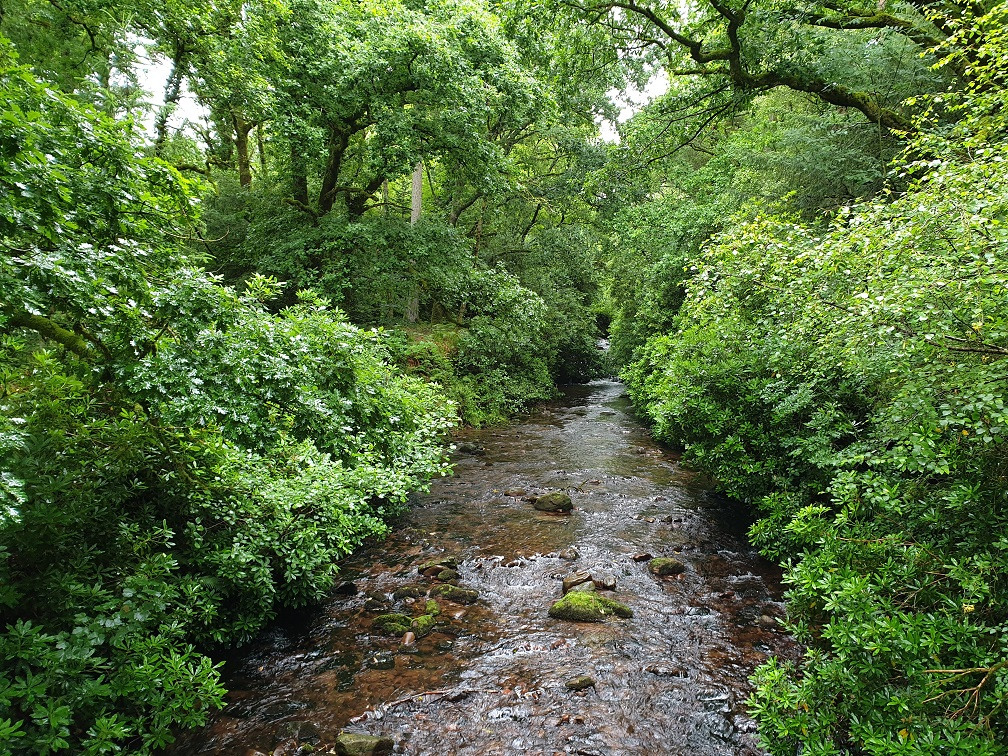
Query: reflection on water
[(490, 678)]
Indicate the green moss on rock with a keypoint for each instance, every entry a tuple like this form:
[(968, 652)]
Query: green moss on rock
[(580, 606), (666, 566), (455, 593), (392, 623)]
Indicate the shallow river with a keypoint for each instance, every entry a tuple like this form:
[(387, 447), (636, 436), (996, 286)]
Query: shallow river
[(491, 678)]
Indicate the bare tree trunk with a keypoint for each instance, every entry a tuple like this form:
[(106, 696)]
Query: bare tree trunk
[(416, 205), (385, 197)]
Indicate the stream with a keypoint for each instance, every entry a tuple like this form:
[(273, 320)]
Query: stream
[(491, 677)]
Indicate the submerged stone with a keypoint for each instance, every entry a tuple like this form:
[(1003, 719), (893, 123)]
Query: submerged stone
[(455, 593), (581, 606), (555, 501), (435, 566), (447, 575), (666, 566), (580, 683), (354, 744)]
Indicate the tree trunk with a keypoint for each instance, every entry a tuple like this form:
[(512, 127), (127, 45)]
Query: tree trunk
[(416, 204), (261, 147), (338, 142), (242, 130)]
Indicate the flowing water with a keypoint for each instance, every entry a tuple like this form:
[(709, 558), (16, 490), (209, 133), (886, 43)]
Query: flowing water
[(491, 677)]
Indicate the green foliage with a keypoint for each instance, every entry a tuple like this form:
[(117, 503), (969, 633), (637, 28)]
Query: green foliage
[(850, 381), (178, 462)]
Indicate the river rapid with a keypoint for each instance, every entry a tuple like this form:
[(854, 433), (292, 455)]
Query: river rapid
[(491, 677)]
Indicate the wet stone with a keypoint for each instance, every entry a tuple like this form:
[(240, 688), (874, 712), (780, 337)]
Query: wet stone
[(578, 578), (438, 565), (515, 492), (666, 567), (555, 501), (604, 581), (447, 575), (580, 606), (469, 447), (354, 744), (580, 683), (381, 660), (642, 557), (455, 593), (409, 591), (570, 554), (392, 623), (296, 732), (346, 588)]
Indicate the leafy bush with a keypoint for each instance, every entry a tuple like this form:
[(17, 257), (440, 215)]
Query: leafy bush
[(178, 462), (850, 382)]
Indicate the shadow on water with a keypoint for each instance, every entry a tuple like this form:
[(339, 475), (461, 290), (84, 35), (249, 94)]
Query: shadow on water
[(491, 676)]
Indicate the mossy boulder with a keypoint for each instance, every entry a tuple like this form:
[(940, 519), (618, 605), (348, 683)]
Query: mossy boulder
[(423, 625), (555, 501), (583, 606), (392, 623), (434, 567), (432, 607), (455, 593), (666, 566), (409, 591), (447, 575), (354, 744)]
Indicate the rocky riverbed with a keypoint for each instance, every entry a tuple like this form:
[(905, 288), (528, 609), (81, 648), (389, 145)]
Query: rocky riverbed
[(572, 589)]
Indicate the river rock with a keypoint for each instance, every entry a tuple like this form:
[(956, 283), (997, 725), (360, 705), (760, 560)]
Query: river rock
[(296, 732), (580, 606), (409, 592), (570, 554), (354, 744), (455, 593), (409, 638), (434, 567), (346, 588), (578, 578), (447, 575), (666, 566), (584, 587), (604, 581), (580, 683), (381, 660), (392, 623), (555, 501), (641, 557), (515, 492), (469, 447)]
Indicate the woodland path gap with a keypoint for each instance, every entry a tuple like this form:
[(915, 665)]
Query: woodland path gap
[(671, 680)]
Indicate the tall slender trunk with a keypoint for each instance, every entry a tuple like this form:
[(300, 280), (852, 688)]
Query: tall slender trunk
[(416, 204), (242, 130)]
